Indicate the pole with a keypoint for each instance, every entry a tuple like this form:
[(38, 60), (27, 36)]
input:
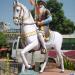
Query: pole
[(35, 8)]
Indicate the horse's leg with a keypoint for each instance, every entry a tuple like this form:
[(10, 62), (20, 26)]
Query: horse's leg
[(59, 53), (44, 65), (61, 61), (23, 68), (44, 46), (26, 49)]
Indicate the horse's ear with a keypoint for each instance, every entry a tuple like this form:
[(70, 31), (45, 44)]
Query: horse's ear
[(15, 2)]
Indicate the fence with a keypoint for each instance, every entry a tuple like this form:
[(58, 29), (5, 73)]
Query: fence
[(9, 67), (12, 67), (68, 44)]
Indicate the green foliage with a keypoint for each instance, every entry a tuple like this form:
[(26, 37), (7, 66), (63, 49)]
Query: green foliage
[(68, 26), (3, 41), (60, 22), (69, 65)]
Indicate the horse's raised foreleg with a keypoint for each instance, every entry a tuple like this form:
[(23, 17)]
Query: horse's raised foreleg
[(26, 49)]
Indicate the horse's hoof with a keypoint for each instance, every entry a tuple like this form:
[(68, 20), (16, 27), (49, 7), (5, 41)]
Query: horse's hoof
[(32, 67), (40, 71), (62, 71)]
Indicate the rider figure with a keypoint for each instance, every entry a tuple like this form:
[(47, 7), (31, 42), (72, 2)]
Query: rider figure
[(42, 17)]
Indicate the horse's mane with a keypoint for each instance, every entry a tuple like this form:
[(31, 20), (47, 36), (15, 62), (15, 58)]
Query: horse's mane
[(23, 6)]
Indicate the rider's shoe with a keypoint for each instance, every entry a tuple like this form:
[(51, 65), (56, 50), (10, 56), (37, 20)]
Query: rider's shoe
[(43, 51), (62, 71)]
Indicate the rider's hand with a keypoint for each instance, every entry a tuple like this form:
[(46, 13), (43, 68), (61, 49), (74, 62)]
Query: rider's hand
[(39, 23)]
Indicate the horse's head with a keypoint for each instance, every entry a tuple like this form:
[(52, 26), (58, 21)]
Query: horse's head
[(18, 12)]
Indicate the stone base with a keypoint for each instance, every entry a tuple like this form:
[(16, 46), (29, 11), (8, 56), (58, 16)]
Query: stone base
[(37, 66), (29, 72)]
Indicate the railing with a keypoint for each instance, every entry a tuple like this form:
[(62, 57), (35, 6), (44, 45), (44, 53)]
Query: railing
[(9, 67), (12, 67)]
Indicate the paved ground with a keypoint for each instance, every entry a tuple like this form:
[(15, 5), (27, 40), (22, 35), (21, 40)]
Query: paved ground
[(51, 69), (56, 71)]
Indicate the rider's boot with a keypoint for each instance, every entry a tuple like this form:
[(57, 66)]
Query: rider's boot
[(44, 50)]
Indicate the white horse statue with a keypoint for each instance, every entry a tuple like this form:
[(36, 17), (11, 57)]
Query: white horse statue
[(21, 15)]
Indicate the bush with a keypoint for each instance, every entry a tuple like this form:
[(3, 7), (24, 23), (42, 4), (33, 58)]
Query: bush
[(69, 65)]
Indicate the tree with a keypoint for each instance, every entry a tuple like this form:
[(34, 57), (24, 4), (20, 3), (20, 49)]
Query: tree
[(3, 40), (60, 22)]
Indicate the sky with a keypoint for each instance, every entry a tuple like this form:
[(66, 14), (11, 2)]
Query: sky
[(69, 9), (6, 12)]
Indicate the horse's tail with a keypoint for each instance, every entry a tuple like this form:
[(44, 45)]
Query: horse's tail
[(68, 58)]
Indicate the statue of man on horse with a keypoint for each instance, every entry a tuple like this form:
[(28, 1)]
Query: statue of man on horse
[(21, 15)]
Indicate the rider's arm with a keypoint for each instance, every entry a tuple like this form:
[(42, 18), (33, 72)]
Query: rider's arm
[(48, 19)]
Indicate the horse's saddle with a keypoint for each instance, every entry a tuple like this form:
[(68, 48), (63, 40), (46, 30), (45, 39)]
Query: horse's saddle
[(46, 32)]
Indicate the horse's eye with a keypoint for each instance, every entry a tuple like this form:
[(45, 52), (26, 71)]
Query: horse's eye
[(17, 10)]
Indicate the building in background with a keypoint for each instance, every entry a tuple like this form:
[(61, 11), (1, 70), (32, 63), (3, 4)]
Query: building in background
[(4, 27), (69, 42)]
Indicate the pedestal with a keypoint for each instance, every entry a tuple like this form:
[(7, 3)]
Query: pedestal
[(29, 72)]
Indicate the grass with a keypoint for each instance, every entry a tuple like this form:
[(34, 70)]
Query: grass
[(69, 65)]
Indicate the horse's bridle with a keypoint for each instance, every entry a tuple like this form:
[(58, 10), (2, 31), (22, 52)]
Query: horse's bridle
[(21, 18), (21, 9)]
